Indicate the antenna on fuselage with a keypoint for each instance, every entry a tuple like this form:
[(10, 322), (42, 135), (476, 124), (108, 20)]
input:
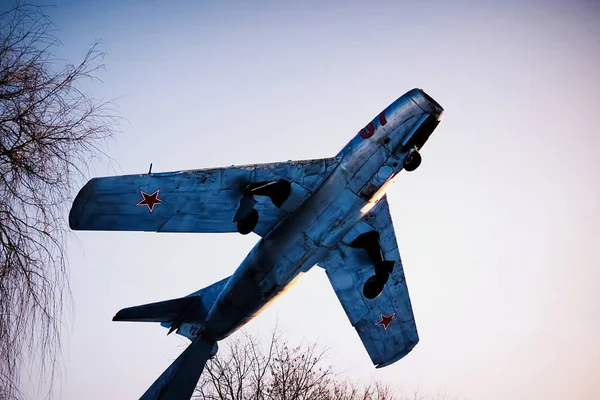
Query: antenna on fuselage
[(150, 170)]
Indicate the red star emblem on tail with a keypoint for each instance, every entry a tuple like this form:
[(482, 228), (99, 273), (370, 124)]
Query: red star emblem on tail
[(149, 200), (386, 320)]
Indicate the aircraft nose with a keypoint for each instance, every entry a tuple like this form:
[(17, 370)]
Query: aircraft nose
[(428, 103)]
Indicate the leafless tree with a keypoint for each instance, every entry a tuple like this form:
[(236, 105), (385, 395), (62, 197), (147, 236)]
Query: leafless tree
[(245, 369), (49, 129)]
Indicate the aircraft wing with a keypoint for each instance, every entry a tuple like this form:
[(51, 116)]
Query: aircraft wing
[(386, 324), (203, 200)]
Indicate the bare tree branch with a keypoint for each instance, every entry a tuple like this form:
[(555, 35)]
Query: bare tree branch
[(246, 370), (49, 131)]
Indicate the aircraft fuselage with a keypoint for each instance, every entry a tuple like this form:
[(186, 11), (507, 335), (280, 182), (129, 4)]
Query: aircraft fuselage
[(369, 162)]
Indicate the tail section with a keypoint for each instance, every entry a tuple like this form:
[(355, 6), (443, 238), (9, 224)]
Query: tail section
[(185, 314), (179, 380), (189, 308)]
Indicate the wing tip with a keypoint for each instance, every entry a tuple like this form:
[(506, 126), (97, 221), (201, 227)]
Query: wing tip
[(121, 315), (79, 204), (398, 356)]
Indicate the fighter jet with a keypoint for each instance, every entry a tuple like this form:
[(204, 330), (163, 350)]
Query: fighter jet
[(330, 212)]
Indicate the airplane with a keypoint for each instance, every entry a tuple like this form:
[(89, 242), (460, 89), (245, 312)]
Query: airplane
[(330, 212)]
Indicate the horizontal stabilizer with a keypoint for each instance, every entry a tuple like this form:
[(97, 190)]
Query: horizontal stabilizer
[(182, 309), (192, 308)]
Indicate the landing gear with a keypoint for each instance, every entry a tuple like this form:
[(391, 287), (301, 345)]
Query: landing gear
[(374, 286), (246, 215), (412, 160), (383, 268), (248, 223)]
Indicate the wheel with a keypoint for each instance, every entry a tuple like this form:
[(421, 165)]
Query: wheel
[(374, 286), (247, 225), (412, 160)]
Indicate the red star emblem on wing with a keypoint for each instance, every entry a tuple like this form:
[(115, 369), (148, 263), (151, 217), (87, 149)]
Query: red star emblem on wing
[(149, 200), (386, 320)]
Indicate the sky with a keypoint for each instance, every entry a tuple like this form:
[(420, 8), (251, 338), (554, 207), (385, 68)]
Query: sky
[(498, 228)]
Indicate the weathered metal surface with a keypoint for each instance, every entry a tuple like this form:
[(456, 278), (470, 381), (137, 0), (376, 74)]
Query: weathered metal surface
[(192, 201), (348, 268), (331, 202)]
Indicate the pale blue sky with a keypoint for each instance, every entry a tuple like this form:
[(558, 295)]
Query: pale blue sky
[(498, 228)]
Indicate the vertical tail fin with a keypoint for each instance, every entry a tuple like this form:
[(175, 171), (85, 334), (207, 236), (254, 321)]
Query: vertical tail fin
[(179, 380), (186, 315)]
